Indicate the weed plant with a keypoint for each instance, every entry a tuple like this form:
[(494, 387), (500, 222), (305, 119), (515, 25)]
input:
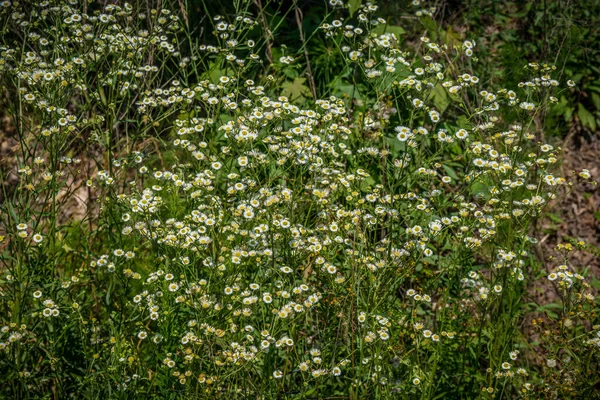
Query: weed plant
[(226, 220)]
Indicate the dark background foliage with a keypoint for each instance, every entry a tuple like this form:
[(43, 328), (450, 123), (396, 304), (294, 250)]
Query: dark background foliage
[(509, 34)]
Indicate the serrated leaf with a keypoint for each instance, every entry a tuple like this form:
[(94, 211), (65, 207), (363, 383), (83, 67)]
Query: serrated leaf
[(451, 37), (295, 90)]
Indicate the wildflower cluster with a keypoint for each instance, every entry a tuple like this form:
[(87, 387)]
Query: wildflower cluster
[(249, 241)]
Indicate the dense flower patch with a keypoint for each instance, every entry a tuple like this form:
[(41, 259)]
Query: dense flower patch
[(240, 238)]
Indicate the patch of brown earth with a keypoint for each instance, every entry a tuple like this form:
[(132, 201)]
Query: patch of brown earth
[(576, 214)]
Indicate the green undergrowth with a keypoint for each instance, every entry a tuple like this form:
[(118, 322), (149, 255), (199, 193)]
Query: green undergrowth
[(269, 202)]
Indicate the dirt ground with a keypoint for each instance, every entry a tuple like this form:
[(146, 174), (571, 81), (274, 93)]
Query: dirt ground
[(575, 215)]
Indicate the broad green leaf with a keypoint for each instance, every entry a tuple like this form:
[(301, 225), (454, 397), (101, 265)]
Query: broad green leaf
[(450, 172), (290, 73), (451, 37), (354, 6), (367, 183), (340, 88), (431, 27), (594, 88), (396, 30), (440, 98), (347, 89), (479, 187), (295, 90), (464, 122), (596, 100), (214, 72), (587, 118)]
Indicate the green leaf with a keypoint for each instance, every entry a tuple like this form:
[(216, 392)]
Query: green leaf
[(587, 118), (102, 96), (67, 248), (450, 172), (295, 90), (464, 122), (479, 187), (290, 73), (555, 218), (214, 72), (594, 88), (347, 89), (396, 30), (367, 183), (431, 27), (547, 310), (354, 6), (450, 37), (440, 98), (596, 100), (341, 88)]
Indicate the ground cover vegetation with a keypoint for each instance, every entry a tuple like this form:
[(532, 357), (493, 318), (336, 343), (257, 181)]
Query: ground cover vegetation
[(288, 200)]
